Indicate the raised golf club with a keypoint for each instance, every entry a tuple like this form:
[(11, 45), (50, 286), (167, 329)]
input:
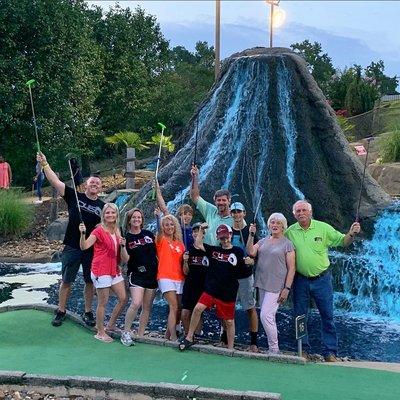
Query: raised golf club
[(29, 84)]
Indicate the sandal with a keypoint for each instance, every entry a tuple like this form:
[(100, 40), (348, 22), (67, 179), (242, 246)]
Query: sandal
[(105, 339), (114, 329), (185, 344)]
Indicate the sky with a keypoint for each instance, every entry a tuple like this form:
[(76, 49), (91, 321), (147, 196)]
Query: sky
[(349, 31)]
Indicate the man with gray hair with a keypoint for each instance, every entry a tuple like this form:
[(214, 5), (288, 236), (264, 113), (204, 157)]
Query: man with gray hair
[(313, 280)]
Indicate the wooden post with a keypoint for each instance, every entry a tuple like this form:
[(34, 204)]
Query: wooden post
[(130, 168)]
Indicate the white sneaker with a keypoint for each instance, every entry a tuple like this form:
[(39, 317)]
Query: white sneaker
[(126, 339), (38, 201)]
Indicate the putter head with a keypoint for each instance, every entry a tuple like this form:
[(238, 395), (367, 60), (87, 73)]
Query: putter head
[(68, 156), (161, 125), (30, 82)]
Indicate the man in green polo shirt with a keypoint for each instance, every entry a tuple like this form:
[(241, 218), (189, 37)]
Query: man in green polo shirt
[(312, 240), (214, 214)]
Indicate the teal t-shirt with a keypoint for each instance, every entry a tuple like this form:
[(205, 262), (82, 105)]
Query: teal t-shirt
[(210, 214)]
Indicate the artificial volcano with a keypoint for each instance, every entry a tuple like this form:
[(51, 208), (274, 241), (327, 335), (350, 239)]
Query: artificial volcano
[(265, 128)]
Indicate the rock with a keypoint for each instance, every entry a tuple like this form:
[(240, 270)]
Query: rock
[(266, 127), (56, 230), (388, 176), (56, 256)]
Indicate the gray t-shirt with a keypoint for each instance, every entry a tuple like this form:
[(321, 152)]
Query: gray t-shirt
[(271, 269)]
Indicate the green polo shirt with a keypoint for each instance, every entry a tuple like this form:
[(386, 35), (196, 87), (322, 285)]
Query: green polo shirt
[(213, 219), (312, 246)]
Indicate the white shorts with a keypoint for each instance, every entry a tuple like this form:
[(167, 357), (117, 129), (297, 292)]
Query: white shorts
[(168, 285), (105, 281)]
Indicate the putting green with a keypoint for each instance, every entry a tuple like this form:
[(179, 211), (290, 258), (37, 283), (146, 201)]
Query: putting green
[(29, 343)]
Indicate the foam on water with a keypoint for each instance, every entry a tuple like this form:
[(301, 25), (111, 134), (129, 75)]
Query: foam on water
[(370, 276)]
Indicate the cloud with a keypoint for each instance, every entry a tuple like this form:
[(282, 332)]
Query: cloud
[(344, 51)]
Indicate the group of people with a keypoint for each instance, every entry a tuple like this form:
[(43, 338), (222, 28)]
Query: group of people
[(216, 263)]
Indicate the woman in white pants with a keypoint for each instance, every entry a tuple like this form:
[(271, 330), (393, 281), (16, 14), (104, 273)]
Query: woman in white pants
[(274, 273)]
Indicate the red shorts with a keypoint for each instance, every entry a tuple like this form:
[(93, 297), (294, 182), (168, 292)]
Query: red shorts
[(224, 309)]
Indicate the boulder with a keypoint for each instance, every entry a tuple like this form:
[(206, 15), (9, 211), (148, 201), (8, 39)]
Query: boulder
[(56, 230)]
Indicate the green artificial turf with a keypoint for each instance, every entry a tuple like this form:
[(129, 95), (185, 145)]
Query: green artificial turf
[(29, 343)]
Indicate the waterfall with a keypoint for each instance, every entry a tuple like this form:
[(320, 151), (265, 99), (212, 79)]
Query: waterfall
[(370, 277), (286, 121)]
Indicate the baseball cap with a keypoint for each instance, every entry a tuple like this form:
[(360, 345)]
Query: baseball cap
[(237, 206), (196, 225), (223, 231)]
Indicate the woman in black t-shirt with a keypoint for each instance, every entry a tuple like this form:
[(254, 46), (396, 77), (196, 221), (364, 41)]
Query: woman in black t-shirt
[(142, 273)]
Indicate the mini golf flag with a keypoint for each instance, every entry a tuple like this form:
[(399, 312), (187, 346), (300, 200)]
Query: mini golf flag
[(360, 150)]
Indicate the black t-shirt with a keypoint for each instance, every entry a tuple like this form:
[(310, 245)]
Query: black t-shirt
[(240, 240), (91, 215), (198, 264), (226, 267), (143, 261)]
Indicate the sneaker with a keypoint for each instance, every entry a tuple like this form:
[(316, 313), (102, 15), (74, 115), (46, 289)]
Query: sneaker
[(38, 202), (58, 318), (331, 358), (126, 339), (88, 318)]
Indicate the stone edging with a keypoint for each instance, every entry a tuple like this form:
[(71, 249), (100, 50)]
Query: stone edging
[(107, 388), (282, 358)]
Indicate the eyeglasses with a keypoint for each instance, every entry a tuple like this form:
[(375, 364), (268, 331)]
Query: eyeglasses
[(236, 211)]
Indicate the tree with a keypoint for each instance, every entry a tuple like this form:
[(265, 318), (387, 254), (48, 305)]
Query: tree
[(135, 53), (361, 93), (52, 42), (132, 141), (386, 85), (186, 82), (338, 87), (319, 63)]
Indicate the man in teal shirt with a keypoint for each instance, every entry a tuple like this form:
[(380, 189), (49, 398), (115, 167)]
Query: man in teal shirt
[(312, 240), (214, 214)]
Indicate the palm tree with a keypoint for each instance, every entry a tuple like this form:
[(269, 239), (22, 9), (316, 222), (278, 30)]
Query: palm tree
[(132, 141)]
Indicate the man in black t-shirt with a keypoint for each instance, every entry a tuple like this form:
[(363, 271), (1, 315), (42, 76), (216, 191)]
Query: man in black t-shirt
[(227, 265), (72, 256)]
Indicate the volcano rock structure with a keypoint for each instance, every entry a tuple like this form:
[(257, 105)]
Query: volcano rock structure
[(266, 129)]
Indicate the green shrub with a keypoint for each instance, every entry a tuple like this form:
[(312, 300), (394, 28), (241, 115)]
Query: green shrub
[(389, 147), (16, 214), (347, 127)]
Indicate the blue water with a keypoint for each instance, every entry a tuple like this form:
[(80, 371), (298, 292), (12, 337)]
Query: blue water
[(370, 276)]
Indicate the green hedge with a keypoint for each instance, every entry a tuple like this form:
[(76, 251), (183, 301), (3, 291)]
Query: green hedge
[(16, 215)]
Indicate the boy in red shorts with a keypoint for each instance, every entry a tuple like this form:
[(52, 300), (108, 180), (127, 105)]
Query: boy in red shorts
[(227, 265)]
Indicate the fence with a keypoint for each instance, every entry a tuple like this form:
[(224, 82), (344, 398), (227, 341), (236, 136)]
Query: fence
[(390, 97)]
